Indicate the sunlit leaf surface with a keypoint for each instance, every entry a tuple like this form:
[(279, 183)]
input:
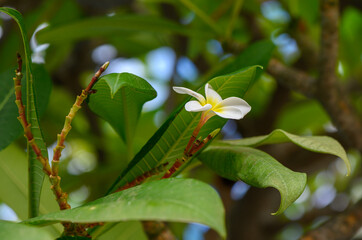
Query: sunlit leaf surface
[(319, 144), (16, 231), (255, 168), (179, 200)]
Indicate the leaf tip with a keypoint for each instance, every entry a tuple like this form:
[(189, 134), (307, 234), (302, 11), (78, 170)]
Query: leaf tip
[(348, 169), (347, 163), (279, 211)]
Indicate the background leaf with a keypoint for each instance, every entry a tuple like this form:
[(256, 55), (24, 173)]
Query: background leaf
[(119, 100), (256, 168), (14, 183), (118, 24), (168, 143), (36, 175), (16, 231), (319, 144), (180, 200)]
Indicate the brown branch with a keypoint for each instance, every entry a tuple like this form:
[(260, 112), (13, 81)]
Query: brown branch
[(292, 78), (330, 93), (342, 227), (157, 230), (309, 49), (325, 88)]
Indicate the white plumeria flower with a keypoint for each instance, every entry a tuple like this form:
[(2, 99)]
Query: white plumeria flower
[(230, 108)]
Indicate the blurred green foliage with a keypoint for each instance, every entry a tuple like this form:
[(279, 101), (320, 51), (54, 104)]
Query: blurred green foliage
[(215, 37)]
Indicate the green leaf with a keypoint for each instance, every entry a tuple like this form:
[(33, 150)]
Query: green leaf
[(14, 182), (125, 231), (179, 200), (351, 37), (72, 238), (306, 9), (257, 169), (168, 143), (16, 231), (119, 100), (319, 144), (10, 128), (302, 116), (36, 175), (118, 24)]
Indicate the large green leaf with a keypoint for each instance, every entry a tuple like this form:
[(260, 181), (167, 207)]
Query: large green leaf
[(36, 175), (125, 231), (16, 231), (168, 143), (119, 100), (319, 144), (14, 182), (118, 24), (256, 168), (179, 200)]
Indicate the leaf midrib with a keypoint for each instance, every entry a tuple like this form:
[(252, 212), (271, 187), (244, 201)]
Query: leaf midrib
[(6, 99)]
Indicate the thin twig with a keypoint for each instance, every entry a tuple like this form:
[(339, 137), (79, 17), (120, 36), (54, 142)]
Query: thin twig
[(292, 78), (67, 127), (60, 195), (191, 150), (141, 179)]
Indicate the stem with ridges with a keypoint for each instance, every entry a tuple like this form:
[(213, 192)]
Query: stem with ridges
[(60, 195), (141, 179), (192, 150), (52, 172), (67, 126)]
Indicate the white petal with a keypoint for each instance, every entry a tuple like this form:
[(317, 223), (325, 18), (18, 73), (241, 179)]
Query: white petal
[(236, 102), (230, 113), (212, 96), (196, 95), (195, 106)]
